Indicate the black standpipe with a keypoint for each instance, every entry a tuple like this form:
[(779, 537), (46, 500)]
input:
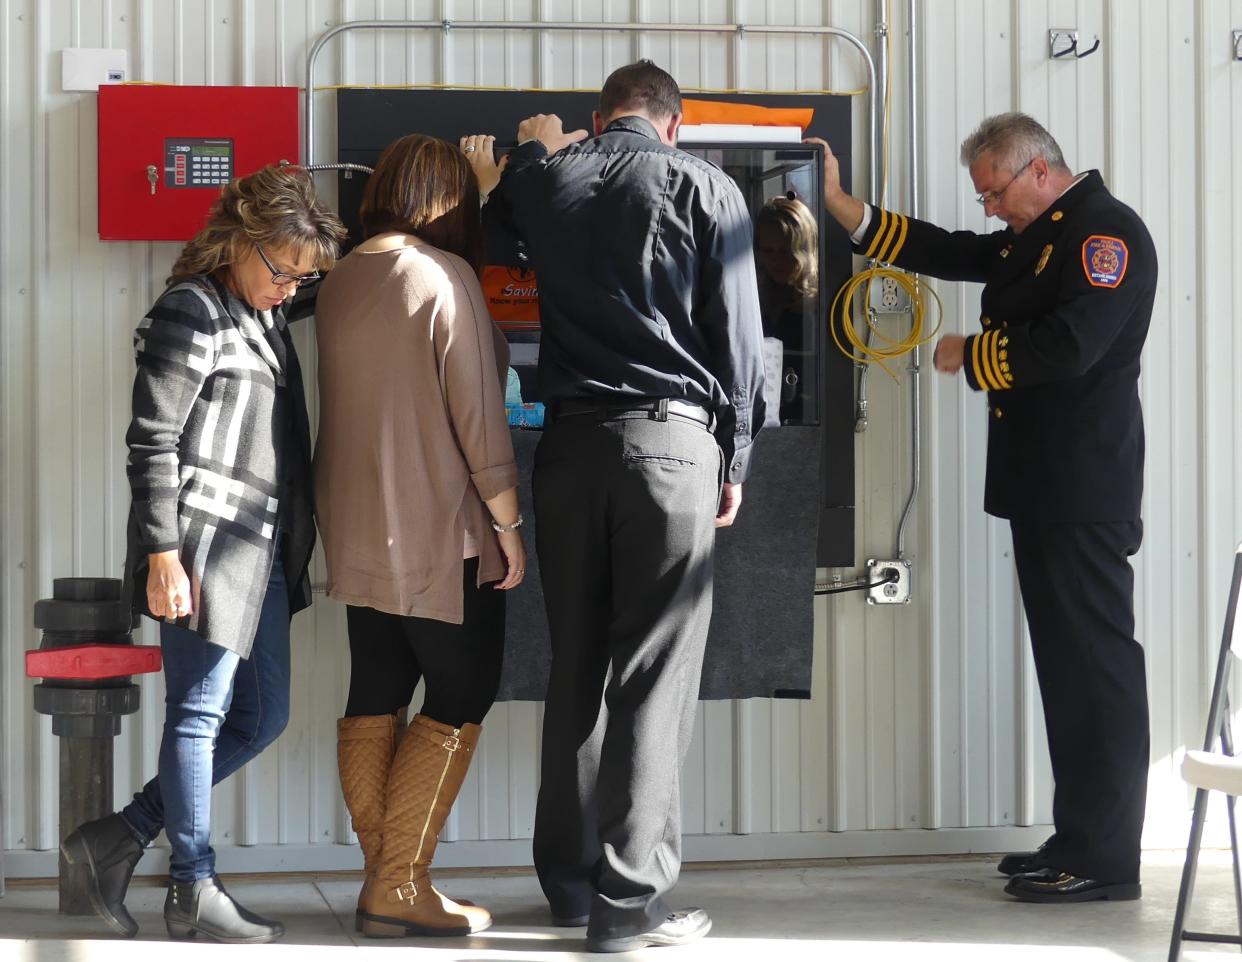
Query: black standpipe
[(86, 714)]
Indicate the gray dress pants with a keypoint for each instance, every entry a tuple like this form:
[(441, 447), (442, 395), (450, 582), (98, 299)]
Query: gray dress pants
[(625, 507)]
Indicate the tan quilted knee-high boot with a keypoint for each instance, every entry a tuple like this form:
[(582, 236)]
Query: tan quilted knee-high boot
[(403, 723), (426, 776), (364, 763), (365, 745)]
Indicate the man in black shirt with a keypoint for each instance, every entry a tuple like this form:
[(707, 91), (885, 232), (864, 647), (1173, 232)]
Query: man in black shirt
[(651, 369)]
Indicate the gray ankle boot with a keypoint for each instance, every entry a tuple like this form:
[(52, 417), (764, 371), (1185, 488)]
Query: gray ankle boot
[(204, 906), (109, 849)]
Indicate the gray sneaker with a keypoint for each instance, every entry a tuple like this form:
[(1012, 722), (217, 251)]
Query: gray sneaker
[(679, 928)]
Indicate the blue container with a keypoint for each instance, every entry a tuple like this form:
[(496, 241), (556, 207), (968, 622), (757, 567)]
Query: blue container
[(525, 415)]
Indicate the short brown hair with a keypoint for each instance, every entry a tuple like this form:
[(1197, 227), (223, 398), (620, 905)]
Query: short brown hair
[(425, 187), (275, 207), (640, 86)]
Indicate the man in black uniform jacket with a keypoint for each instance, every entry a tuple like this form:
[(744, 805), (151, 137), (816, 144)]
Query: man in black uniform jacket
[(1067, 299), (651, 367)]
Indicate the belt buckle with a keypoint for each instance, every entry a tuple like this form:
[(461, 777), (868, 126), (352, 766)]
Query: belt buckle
[(660, 411)]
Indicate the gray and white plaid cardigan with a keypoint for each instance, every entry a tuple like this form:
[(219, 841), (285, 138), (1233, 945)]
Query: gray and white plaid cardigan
[(218, 406)]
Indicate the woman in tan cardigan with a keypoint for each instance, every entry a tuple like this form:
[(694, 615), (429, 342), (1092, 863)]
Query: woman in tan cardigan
[(416, 497)]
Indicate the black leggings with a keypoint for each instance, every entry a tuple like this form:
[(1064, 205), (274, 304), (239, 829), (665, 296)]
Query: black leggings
[(460, 663)]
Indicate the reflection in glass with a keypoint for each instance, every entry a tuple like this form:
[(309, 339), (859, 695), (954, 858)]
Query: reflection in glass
[(787, 242), (781, 186)]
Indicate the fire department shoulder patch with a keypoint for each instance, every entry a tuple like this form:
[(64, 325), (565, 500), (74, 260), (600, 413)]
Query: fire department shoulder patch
[(1104, 260)]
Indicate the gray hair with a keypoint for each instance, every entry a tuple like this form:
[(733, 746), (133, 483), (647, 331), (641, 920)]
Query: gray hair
[(1015, 140)]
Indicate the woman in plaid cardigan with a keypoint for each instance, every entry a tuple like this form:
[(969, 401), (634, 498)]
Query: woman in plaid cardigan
[(220, 532)]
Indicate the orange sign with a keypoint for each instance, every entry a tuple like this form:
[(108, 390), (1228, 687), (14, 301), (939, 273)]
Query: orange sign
[(719, 112), (512, 298)]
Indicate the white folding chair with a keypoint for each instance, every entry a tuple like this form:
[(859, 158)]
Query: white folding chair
[(1210, 770)]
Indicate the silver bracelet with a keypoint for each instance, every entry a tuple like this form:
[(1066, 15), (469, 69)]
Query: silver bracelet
[(506, 528)]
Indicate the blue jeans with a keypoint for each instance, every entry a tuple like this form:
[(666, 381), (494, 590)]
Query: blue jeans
[(220, 712)]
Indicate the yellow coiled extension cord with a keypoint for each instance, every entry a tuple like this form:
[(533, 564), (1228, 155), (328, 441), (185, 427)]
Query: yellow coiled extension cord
[(884, 348)]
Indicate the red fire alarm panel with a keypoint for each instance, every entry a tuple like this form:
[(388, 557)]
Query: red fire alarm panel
[(164, 152)]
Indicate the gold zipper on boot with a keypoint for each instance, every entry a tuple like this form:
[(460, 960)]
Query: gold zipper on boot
[(422, 837)]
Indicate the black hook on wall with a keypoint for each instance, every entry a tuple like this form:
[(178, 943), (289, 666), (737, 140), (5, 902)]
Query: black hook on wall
[(1072, 49)]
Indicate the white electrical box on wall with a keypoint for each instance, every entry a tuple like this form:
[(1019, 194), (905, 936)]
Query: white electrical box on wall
[(89, 68)]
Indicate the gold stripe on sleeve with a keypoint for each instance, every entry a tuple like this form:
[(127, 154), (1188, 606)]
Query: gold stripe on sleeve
[(974, 361), (882, 255), (901, 240), (875, 241), (990, 371)]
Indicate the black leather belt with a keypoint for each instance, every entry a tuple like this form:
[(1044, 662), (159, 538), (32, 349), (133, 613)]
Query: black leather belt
[(655, 409)]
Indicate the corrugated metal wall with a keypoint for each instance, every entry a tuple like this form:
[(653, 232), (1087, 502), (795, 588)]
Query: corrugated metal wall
[(924, 716)]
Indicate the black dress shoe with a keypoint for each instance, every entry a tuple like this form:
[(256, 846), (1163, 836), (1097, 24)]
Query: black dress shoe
[(203, 906), (678, 929), (1019, 863), (1016, 863), (1051, 885), (109, 849)]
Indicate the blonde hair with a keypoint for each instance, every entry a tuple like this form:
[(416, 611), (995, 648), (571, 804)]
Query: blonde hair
[(797, 226), (275, 207)]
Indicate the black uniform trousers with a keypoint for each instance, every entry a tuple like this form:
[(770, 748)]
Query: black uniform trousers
[(1078, 591), (625, 507)]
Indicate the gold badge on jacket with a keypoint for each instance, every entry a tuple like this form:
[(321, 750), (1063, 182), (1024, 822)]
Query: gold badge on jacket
[(1043, 259)]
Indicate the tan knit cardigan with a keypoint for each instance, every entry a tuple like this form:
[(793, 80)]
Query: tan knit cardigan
[(412, 430)]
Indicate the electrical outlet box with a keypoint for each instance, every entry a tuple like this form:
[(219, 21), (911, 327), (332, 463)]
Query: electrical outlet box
[(894, 590), (89, 68), (888, 297)]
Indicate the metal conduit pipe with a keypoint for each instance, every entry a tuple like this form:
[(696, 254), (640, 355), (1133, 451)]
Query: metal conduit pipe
[(916, 400), (881, 98), (348, 168), (315, 168), (739, 31)]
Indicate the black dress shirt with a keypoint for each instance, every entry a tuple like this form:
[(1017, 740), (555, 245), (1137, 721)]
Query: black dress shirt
[(646, 273)]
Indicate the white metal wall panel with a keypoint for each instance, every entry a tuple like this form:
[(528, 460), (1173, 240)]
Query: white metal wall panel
[(924, 716)]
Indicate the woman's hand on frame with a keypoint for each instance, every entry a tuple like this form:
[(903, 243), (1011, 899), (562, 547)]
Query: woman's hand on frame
[(479, 152)]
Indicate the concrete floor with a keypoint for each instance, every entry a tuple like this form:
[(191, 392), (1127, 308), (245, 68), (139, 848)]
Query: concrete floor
[(839, 911)]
